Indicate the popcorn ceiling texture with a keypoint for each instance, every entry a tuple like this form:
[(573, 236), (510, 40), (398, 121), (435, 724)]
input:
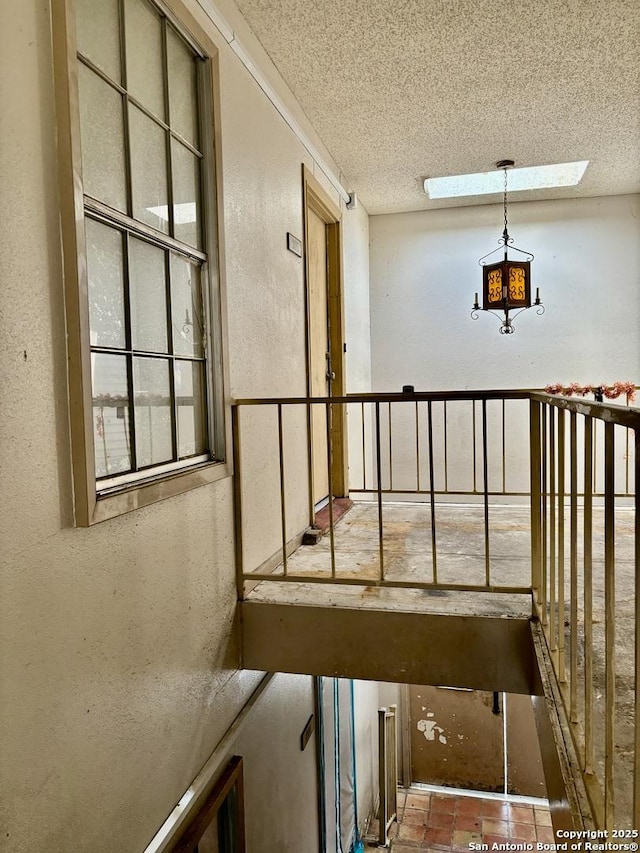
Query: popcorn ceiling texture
[(403, 90)]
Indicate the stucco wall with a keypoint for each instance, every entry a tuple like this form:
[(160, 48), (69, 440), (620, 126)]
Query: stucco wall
[(424, 274), (119, 654)]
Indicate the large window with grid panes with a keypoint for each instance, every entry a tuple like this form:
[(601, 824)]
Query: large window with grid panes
[(144, 110)]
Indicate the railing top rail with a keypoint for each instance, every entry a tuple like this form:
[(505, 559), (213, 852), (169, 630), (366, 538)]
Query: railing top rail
[(609, 412), (391, 397)]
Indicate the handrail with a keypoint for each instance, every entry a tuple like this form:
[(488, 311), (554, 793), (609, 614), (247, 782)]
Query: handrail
[(392, 397), (628, 416)]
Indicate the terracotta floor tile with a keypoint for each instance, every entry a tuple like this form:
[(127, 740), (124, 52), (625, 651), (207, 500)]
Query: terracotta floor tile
[(418, 801), (522, 814), (416, 817), (543, 817), (469, 806), (522, 831), (407, 832), (440, 803), (461, 839), (440, 819), (545, 834), (495, 827), (493, 839), (468, 823), (495, 809), (435, 837)]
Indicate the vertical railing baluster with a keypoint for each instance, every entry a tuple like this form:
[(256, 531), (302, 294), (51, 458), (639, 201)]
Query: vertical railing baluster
[(588, 595), (562, 677), (364, 449), (382, 776), (534, 461), (283, 509), (485, 477), (237, 499), (504, 449), (417, 448), (329, 433), (609, 622), (543, 532), (390, 452), (636, 719), (573, 571), (431, 488), (475, 453), (446, 456), (379, 484), (312, 509), (553, 622)]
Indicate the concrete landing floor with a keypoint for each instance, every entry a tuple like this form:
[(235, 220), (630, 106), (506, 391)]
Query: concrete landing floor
[(460, 558), (408, 557)]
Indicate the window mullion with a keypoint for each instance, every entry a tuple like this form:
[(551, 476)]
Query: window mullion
[(167, 116), (127, 134), (172, 377), (129, 356)]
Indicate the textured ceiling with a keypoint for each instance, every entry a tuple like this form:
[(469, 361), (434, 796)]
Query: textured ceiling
[(399, 90)]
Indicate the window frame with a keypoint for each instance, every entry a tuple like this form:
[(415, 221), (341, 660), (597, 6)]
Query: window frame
[(91, 505)]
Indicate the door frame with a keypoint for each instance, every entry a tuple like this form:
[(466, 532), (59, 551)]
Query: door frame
[(316, 198)]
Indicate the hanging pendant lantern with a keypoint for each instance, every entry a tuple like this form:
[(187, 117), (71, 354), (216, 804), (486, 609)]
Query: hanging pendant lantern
[(506, 285)]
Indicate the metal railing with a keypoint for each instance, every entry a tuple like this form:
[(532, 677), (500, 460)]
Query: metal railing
[(283, 430), (387, 772), (586, 580), (571, 468)]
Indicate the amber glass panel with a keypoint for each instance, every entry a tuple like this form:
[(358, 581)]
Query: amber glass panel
[(494, 286), (517, 289)]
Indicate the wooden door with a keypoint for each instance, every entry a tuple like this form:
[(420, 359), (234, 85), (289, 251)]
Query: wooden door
[(319, 347)]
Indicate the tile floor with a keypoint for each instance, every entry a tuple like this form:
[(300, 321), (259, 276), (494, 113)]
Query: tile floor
[(442, 822)]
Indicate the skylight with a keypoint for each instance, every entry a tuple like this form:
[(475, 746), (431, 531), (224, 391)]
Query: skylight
[(526, 178)]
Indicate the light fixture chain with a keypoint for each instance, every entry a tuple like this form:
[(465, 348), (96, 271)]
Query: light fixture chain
[(506, 232)]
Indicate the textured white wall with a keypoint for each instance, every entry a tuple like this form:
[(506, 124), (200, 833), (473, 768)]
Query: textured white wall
[(424, 273), (119, 657), (366, 702), (357, 333)]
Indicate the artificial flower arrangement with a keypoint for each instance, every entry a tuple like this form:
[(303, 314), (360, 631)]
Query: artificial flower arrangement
[(611, 392)]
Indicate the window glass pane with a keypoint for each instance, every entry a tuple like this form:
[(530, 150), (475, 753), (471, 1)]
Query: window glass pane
[(148, 170), (106, 285), (182, 87), (98, 27), (186, 307), (111, 414), (144, 55), (191, 405), (186, 194), (147, 286), (152, 406), (102, 132)]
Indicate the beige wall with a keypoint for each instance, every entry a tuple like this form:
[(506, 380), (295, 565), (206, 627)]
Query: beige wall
[(424, 274), (118, 652)]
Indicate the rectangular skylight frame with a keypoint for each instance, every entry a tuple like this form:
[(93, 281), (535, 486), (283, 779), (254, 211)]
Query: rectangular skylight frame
[(524, 178)]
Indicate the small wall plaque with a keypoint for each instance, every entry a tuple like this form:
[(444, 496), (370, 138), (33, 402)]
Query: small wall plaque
[(307, 731), (294, 245)]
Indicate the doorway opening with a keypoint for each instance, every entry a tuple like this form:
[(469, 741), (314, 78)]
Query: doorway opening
[(325, 345)]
